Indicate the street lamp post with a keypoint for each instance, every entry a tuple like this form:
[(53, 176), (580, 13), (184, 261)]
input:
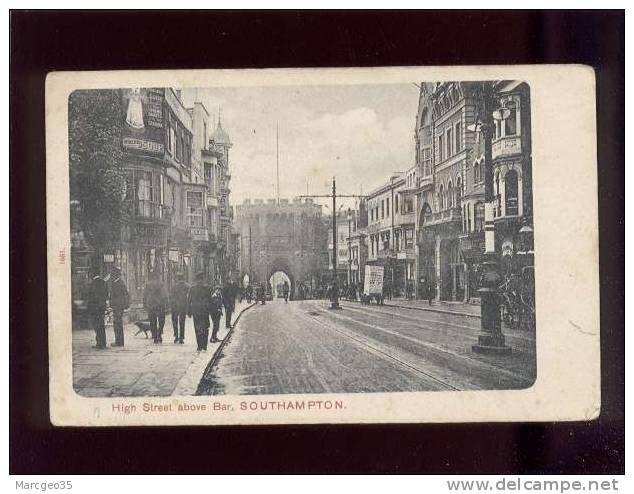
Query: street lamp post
[(491, 338)]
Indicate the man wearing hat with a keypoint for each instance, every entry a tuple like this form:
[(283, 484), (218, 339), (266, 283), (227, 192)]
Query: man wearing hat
[(178, 305), (155, 303), (199, 307), (119, 302), (216, 312), (96, 305)]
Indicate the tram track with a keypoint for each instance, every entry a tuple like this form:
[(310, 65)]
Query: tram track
[(385, 310), (435, 348), (385, 355)]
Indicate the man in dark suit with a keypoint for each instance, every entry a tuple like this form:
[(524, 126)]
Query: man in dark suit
[(155, 303), (285, 291), (96, 305), (229, 293), (119, 302), (199, 307), (178, 305)]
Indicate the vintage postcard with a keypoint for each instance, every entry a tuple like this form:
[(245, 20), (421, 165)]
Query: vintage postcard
[(361, 245)]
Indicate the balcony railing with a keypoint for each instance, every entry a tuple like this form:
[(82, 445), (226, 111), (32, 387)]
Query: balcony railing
[(444, 216), (425, 182), (506, 146)]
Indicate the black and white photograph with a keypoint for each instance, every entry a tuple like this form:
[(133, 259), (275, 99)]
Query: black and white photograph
[(316, 242), (327, 245), (302, 239)]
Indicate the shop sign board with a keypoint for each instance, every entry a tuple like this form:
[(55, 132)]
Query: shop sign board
[(373, 284)]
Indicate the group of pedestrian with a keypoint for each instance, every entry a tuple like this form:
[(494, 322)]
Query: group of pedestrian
[(201, 302), (97, 304)]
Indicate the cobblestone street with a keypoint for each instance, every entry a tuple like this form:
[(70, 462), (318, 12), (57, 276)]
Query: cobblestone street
[(302, 347), (141, 368)]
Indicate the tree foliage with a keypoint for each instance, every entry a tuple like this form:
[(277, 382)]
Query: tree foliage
[(97, 178)]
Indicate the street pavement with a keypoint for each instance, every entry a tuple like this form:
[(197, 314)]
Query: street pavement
[(303, 347), (141, 368)]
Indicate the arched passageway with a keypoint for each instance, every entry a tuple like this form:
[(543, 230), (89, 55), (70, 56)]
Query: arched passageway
[(277, 281)]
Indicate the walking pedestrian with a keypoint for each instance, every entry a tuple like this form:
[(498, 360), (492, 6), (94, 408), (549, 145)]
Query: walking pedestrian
[(198, 307), (285, 290), (431, 291), (178, 306), (96, 305), (216, 313), (119, 302), (155, 303), (260, 294), (229, 293)]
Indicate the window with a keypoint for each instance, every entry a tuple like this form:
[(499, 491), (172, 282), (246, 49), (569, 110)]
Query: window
[(458, 137), (171, 139), (440, 150), (510, 190), (396, 203), (145, 193), (425, 117), (510, 124), (496, 191), (371, 214), (478, 217), (441, 197), (425, 213), (450, 195), (209, 177), (382, 209), (387, 206), (469, 217), (426, 162), (179, 145), (194, 208), (449, 139), (478, 171), (458, 191), (409, 238)]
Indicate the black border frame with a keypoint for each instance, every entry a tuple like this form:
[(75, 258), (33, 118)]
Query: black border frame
[(42, 41)]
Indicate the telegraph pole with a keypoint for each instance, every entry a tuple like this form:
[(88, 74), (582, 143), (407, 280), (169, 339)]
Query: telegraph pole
[(334, 303), (335, 283)]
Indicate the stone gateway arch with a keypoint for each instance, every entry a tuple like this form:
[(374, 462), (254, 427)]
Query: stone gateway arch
[(291, 237)]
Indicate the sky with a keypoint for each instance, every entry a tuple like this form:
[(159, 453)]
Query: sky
[(360, 134)]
